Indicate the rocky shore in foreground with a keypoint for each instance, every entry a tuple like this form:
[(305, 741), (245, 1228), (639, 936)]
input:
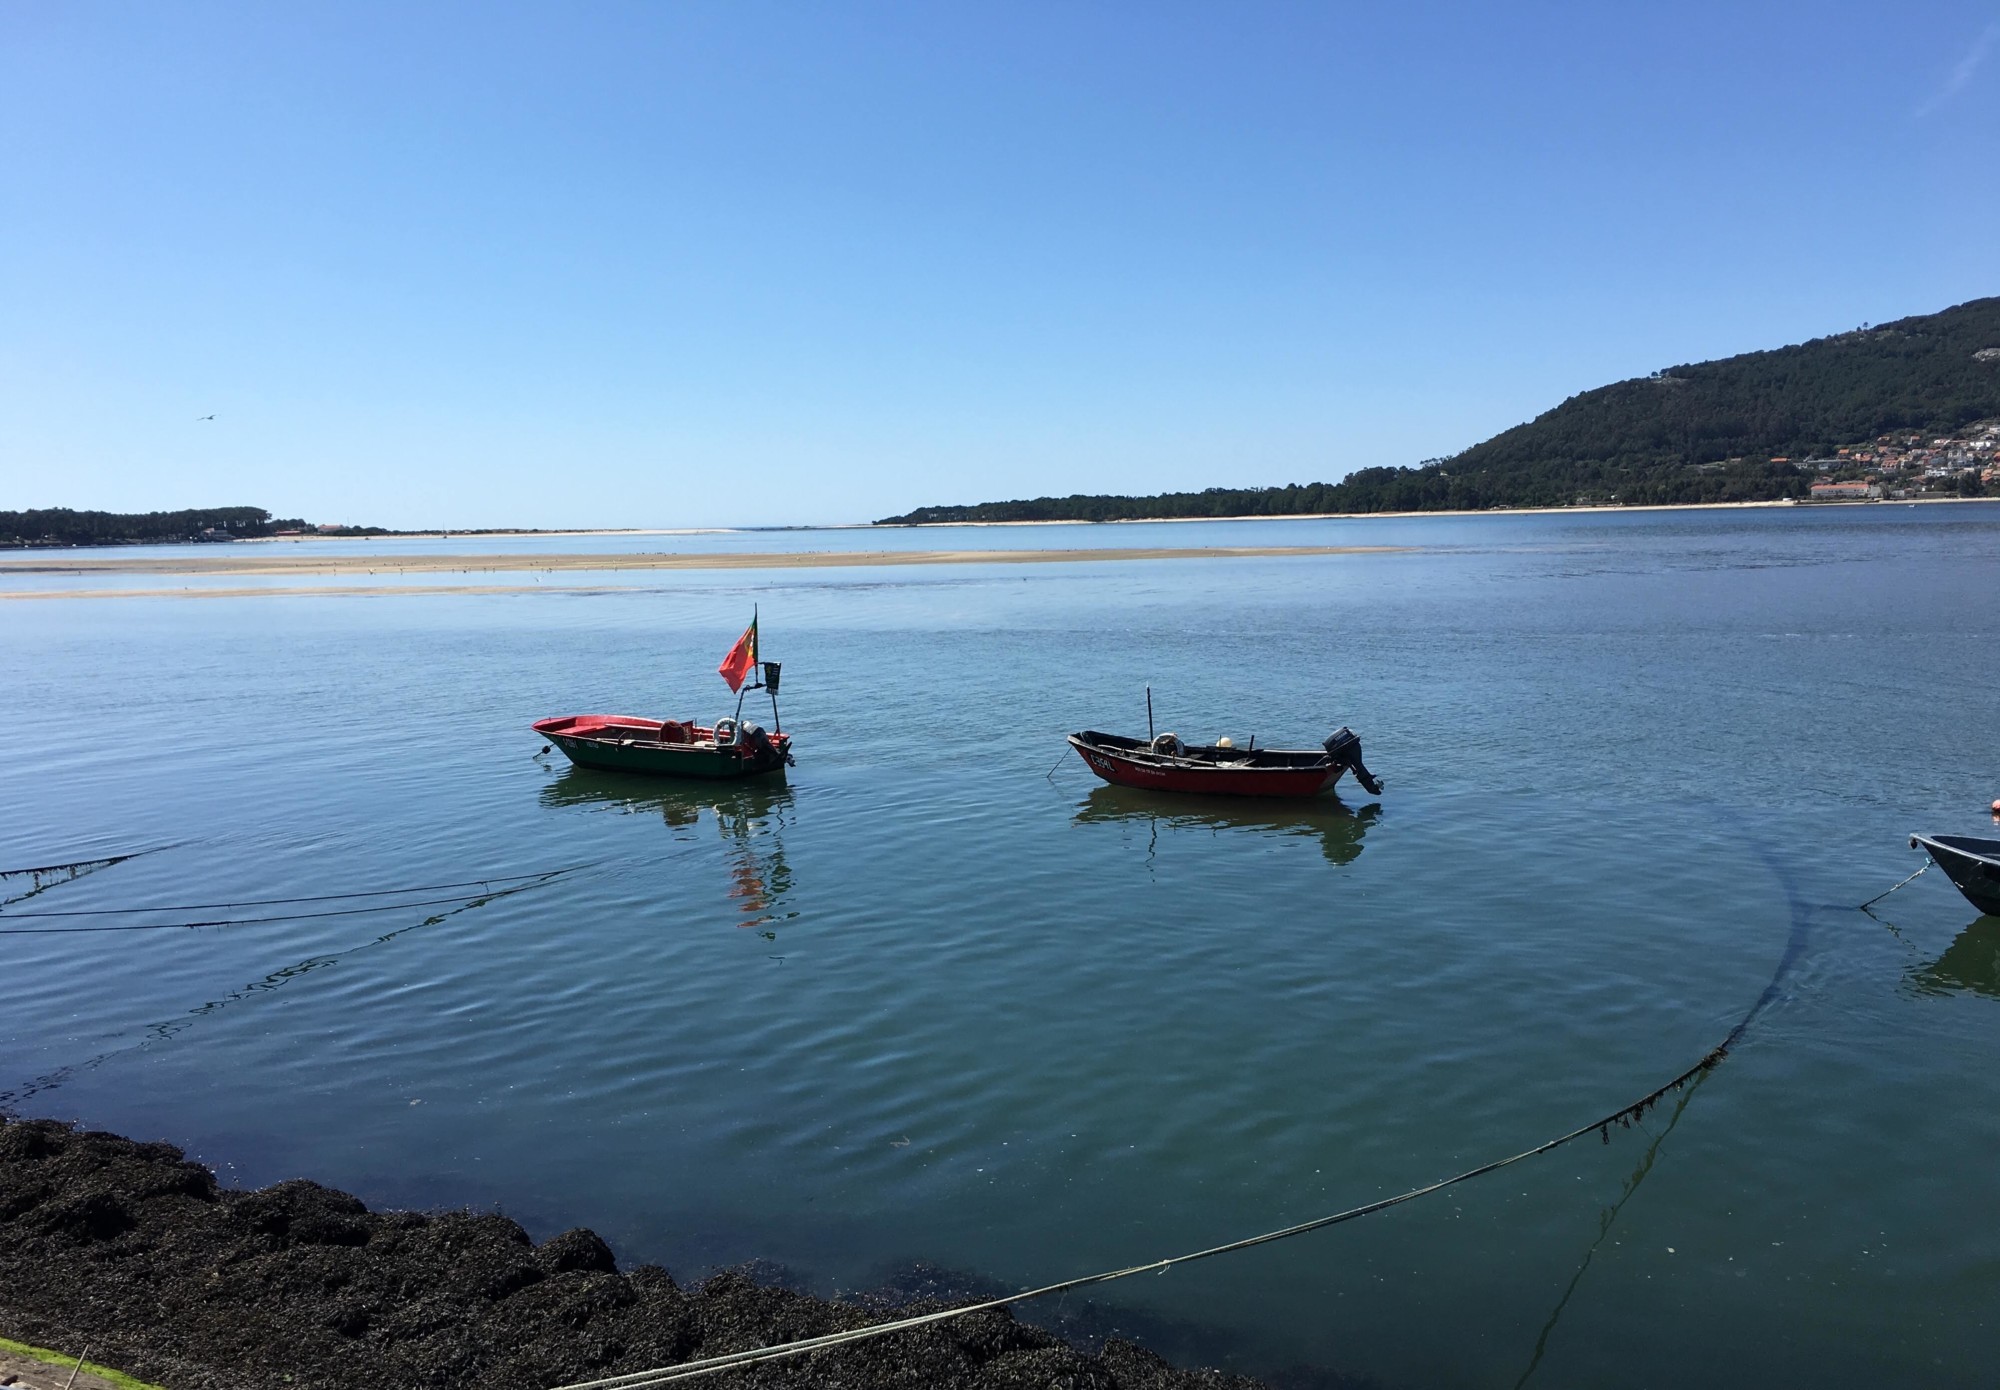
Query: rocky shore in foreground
[(139, 1254)]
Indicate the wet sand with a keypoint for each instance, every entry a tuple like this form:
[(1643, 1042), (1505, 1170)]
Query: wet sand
[(267, 565)]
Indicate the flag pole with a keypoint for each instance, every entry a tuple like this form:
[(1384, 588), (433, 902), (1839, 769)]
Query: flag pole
[(1149, 714), (769, 671), (771, 681)]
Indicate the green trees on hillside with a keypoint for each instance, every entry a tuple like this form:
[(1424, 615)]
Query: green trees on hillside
[(1724, 431), (61, 526)]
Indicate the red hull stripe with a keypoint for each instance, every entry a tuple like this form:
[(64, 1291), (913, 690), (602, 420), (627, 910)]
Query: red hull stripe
[(1211, 781)]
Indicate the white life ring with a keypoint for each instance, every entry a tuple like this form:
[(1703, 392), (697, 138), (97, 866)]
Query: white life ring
[(1169, 745), (725, 733)]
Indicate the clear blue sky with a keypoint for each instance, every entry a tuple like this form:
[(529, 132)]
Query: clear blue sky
[(707, 264)]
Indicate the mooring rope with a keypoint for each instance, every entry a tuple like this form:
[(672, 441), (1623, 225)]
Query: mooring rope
[(531, 880), (320, 898), (1879, 896), (74, 865), (1605, 1221), (711, 1365), (234, 921), (1795, 946), (162, 1032), (47, 876)]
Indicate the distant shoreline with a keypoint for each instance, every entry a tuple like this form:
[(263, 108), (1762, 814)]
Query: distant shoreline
[(436, 535), (1486, 511), (401, 537), (501, 534)]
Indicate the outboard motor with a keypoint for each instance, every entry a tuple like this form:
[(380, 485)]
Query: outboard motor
[(1343, 745)]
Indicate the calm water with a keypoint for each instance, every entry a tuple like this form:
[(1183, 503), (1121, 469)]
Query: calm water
[(928, 1002)]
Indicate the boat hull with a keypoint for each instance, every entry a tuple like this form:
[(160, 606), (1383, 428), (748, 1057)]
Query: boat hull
[(1971, 863), (1269, 773), (627, 743)]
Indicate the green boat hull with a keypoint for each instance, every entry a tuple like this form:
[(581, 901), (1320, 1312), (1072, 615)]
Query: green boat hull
[(711, 764), (623, 744)]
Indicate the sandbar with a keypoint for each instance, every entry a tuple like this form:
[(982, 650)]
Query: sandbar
[(265, 564), (318, 591)]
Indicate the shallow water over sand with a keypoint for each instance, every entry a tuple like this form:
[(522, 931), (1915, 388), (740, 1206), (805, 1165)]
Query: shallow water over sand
[(926, 1001)]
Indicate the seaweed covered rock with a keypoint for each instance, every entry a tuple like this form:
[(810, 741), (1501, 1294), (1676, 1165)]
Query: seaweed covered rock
[(137, 1252)]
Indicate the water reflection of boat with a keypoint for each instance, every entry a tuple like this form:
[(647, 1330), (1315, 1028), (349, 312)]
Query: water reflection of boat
[(677, 803), (1971, 962), (1337, 826), (750, 817)]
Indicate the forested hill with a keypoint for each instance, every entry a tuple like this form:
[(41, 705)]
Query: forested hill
[(1732, 430), (61, 526)]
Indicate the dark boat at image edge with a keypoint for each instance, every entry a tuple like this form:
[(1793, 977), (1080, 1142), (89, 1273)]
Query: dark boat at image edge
[(1968, 861)]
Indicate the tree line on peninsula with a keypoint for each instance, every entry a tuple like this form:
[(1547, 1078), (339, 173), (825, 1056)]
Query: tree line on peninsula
[(1739, 429), (60, 526)]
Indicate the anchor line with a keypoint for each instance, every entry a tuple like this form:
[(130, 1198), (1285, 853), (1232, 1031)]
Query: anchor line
[(1879, 896), (318, 898), (47, 876), (1605, 1221), (74, 866), (259, 921), (78, 867), (689, 1370), (162, 1032), (1795, 946)]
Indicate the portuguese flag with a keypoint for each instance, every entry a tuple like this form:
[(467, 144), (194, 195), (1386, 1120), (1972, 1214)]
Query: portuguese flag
[(742, 658)]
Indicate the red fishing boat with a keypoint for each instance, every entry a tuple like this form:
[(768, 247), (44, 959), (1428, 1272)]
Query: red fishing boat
[(1165, 763), (728, 748)]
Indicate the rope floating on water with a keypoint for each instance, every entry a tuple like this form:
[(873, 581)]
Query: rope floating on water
[(74, 867), (520, 881), (47, 876), (162, 1032), (1605, 1222), (320, 898), (234, 921), (1795, 946), (688, 1370), (83, 866)]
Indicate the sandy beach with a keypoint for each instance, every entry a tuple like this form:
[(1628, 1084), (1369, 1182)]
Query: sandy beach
[(213, 563)]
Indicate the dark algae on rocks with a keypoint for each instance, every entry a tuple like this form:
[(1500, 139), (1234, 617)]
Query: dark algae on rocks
[(135, 1251)]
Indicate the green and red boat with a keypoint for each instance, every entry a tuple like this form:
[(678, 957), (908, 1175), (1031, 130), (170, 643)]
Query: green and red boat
[(729, 748)]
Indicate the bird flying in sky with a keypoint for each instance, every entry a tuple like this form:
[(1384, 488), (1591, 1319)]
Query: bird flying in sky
[(200, 418)]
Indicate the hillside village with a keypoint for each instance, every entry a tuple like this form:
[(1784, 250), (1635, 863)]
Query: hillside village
[(1908, 464)]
